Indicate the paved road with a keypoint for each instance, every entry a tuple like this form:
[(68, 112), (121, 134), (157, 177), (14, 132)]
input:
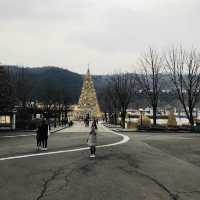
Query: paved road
[(139, 169)]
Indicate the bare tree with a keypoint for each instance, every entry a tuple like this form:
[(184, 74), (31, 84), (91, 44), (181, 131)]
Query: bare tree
[(24, 85), (150, 78), (122, 85), (184, 69), (109, 103), (60, 104), (49, 100)]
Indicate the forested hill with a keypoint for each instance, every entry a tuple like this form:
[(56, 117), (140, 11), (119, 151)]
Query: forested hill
[(54, 84), (56, 80), (48, 82)]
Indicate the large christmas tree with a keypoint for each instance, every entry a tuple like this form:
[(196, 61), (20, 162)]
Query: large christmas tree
[(7, 99), (88, 103)]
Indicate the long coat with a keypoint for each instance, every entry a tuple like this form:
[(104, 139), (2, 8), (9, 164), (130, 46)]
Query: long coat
[(44, 130), (39, 133), (92, 138)]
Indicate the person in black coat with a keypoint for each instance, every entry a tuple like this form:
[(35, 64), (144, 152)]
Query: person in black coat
[(44, 130), (39, 136), (94, 123)]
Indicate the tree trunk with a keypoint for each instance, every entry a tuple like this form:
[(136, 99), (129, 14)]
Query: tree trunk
[(59, 117), (123, 118), (105, 115), (191, 118), (115, 118), (154, 115), (110, 118)]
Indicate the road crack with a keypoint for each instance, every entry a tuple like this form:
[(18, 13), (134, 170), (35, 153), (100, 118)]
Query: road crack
[(189, 192), (67, 172), (161, 185), (47, 182), (68, 176)]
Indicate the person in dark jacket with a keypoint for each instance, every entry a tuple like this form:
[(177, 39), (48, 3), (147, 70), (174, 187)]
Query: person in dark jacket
[(94, 123), (39, 137), (44, 130)]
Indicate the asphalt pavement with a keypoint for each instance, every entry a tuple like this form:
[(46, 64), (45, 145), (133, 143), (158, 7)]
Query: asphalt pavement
[(138, 169)]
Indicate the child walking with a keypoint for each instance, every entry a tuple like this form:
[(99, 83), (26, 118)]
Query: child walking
[(91, 141)]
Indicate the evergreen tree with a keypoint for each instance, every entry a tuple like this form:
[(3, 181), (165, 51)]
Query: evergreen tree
[(7, 99)]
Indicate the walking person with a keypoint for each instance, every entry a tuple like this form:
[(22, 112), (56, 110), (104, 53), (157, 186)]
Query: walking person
[(87, 119), (92, 141), (44, 134), (94, 124), (39, 137), (85, 122)]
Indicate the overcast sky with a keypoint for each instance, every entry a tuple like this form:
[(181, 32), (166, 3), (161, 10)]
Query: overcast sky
[(108, 34)]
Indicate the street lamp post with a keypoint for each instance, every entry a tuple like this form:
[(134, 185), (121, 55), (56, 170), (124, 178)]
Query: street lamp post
[(14, 119)]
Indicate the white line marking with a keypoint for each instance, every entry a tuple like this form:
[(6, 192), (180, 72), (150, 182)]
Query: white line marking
[(15, 136), (124, 140), (26, 135)]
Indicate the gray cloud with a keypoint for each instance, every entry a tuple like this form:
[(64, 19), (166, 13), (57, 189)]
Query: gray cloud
[(44, 9), (110, 34)]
